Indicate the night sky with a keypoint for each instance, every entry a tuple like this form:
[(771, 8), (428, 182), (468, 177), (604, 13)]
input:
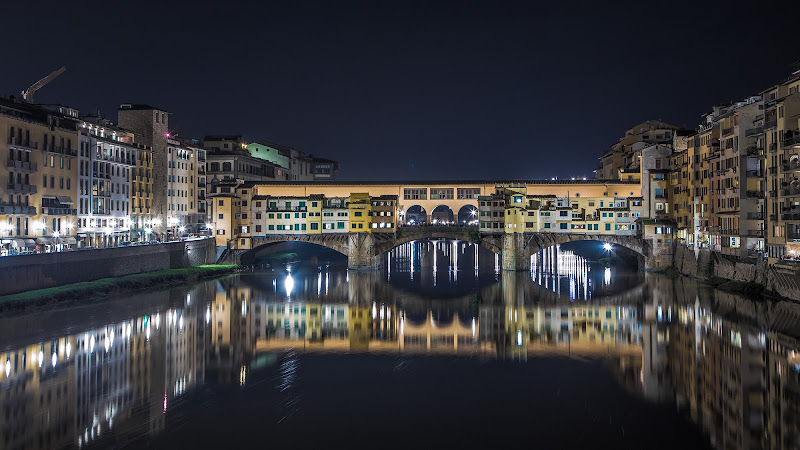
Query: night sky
[(406, 90)]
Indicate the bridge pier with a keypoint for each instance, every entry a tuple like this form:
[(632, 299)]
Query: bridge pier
[(361, 253), (516, 255)]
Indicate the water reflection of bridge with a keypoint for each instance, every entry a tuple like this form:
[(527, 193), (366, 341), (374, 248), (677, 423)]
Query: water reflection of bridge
[(732, 363)]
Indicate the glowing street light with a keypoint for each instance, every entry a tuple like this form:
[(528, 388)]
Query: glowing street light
[(607, 247)]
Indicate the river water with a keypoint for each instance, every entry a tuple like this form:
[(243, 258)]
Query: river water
[(438, 349)]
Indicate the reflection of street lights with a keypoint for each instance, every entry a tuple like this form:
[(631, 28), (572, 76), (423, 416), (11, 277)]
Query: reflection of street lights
[(56, 234), (607, 247)]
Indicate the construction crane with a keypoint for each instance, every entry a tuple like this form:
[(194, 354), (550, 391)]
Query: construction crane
[(27, 94)]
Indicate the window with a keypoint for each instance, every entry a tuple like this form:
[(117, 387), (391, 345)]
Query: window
[(221, 216), (563, 213), (314, 226), (442, 194), (415, 194)]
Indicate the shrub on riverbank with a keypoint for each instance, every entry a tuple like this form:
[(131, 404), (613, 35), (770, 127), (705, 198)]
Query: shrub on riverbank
[(92, 291)]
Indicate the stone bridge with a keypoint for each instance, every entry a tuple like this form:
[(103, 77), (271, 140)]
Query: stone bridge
[(365, 250)]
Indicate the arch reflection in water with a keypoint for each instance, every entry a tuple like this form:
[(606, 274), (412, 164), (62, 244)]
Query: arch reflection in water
[(440, 266), (567, 274)]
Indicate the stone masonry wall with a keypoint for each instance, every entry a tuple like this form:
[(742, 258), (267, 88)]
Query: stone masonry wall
[(24, 273)]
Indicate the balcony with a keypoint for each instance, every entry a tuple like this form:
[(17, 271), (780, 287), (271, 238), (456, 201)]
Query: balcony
[(754, 131), (727, 131), (21, 189), (790, 216), (662, 196), (730, 232), (713, 155), (790, 192), (64, 151), (770, 124), (17, 210), (792, 141), (24, 145), (755, 233), (754, 174), (793, 166), (754, 150), (21, 166), (754, 194), (59, 211), (755, 216)]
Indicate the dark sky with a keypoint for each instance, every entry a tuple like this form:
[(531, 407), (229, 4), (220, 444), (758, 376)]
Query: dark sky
[(406, 89)]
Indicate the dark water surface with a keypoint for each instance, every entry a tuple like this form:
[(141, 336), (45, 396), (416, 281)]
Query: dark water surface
[(438, 349)]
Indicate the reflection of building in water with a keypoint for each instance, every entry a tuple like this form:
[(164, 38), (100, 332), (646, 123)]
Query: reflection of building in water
[(103, 388), (37, 384), (783, 378), (718, 366)]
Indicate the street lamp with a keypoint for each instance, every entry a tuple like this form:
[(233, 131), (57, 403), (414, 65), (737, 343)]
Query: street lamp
[(607, 247), (56, 234)]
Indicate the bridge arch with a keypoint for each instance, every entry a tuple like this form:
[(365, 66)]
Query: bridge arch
[(442, 214), (467, 215), (248, 257), (415, 214)]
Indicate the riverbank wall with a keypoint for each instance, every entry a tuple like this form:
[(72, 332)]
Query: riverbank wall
[(708, 265), (28, 272)]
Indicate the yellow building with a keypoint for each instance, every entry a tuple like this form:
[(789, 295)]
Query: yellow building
[(314, 210), (38, 192), (360, 211)]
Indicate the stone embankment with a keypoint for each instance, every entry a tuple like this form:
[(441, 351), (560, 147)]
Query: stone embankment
[(727, 274), (25, 273)]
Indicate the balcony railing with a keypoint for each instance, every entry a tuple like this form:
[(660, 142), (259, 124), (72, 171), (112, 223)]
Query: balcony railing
[(21, 188), (754, 194), (755, 216), (664, 195), (754, 131), (791, 141), (790, 216), (18, 210), (790, 192), (754, 150), (730, 232), (754, 174), (790, 167), (727, 131), (21, 166), (755, 233), (770, 124), (59, 211), (20, 144)]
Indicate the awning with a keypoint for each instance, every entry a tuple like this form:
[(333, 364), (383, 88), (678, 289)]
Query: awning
[(42, 240), (70, 240), (18, 242), (49, 197), (64, 200), (5, 241), (30, 243)]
